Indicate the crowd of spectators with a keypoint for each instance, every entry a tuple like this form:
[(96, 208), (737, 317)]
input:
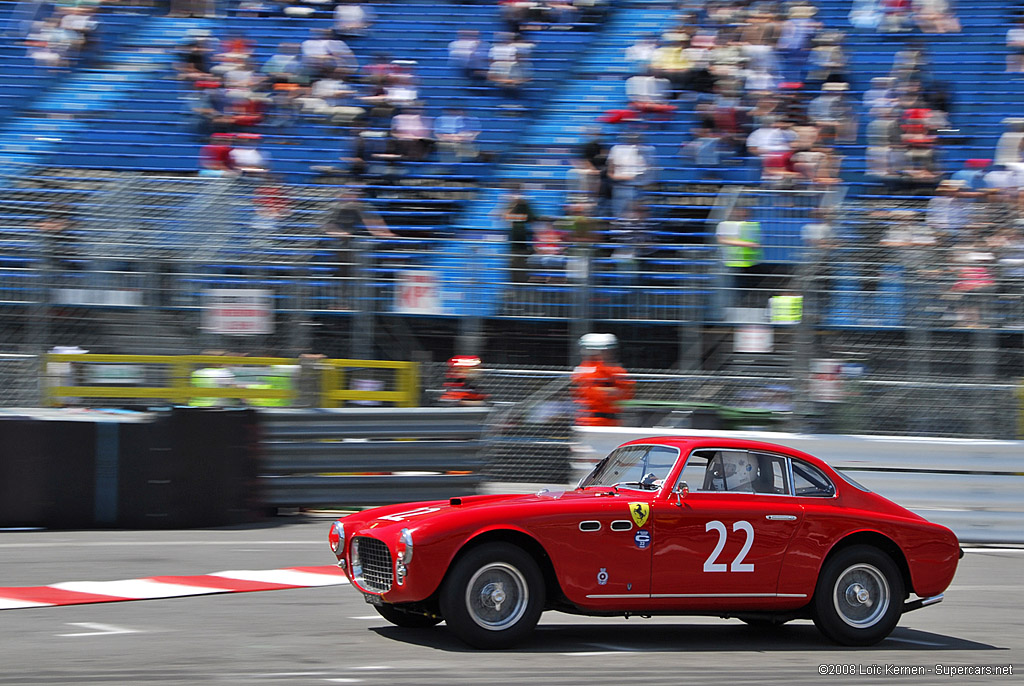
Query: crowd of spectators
[(62, 38)]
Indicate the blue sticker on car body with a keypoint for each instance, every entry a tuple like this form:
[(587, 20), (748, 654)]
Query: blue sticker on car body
[(642, 538)]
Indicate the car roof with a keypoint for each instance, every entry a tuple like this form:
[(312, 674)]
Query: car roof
[(686, 444)]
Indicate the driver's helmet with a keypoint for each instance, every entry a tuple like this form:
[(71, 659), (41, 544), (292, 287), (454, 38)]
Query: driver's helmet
[(740, 471)]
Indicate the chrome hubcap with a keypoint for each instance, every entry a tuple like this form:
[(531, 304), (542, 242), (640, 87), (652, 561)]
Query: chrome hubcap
[(497, 596), (861, 595)]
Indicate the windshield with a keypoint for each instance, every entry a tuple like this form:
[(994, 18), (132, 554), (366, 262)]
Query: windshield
[(640, 467)]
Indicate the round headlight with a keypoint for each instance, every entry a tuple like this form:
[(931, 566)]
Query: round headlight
[(404, 547), (336, 538)]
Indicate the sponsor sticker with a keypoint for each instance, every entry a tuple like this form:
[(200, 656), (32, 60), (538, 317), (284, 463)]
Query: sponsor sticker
[(602, 576), (642, 538)]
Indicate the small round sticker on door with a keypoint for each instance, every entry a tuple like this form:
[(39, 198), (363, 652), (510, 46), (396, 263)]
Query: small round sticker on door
[(642, 538)]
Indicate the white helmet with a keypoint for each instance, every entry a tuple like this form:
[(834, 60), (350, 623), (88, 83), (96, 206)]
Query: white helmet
[(593, 342), (740, 471)]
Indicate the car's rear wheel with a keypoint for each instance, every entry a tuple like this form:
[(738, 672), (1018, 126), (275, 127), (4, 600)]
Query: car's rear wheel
[(493, 596), (859, 596), (408, 620)]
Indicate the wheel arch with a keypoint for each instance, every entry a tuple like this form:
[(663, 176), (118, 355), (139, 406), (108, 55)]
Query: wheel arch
[(523, 540), (877, 540)]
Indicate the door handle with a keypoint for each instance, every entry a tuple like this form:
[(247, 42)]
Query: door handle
[(780, 518)]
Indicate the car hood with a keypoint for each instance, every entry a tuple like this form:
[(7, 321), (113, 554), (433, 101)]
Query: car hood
[(382, 521)]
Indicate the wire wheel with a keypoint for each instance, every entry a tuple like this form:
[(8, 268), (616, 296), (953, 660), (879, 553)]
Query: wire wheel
[(861, 595), (497, 596)]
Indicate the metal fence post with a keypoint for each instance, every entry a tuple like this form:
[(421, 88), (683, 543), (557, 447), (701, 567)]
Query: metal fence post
[(361, 331)]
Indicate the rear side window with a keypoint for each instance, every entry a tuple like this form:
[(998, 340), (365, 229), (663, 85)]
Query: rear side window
[(811, 481)]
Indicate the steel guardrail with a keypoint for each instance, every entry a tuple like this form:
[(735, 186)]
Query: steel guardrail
[(370, 456)]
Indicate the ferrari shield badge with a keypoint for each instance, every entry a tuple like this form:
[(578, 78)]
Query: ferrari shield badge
[(640, 512)]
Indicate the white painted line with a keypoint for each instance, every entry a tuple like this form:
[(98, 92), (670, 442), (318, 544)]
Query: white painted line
[(372, 668), (284, 674), (132, 544), (367, 617), (135, 589), (343, 680), (917, 643), (994, 550), (12, 604), (99, 629), (593, 653), (288, 577)]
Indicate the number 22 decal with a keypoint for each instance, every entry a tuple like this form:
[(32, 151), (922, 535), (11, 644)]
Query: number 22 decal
[(738, 565)]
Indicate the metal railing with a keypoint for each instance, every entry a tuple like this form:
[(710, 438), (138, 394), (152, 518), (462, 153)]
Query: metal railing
[(365, 456)]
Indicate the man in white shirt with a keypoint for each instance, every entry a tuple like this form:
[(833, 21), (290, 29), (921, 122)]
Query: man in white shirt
[(627, 168)]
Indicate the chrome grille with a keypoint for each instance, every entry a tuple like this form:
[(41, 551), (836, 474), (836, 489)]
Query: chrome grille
[(371, 564)]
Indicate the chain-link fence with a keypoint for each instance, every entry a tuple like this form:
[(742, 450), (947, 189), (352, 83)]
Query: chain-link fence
[(891, 315)]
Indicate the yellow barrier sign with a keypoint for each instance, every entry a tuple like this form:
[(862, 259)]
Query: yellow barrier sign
[(208, 380)]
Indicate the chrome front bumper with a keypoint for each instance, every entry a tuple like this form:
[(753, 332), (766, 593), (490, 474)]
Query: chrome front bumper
[(922, 602)]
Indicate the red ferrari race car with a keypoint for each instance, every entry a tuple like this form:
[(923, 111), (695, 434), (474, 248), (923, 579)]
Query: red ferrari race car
[(661, 526)]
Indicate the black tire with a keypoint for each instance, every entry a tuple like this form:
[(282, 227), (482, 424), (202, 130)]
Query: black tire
[(407, 620), (493, 596), (859, 596)]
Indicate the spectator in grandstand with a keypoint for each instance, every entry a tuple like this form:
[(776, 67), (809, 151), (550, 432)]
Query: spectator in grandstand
[(671, 62), (865, 14), (246, 157), (411, 133), (972, 175), (794, 41), (833, 113), (648, 94), (209, 106), (508, 69), (772, 143), (352, 19), (895, 16), (50, 45), (577, 225), (469, 54), (352, 216), (215, 156), (195, 60), (322, 54), (456, 135), (1010, 147), (519, 216), (1015, 45), (640, 54), (975, 283), (81, 25), (935, 16), (591, 164), (917, 167), (548, 258), (629, 170), (946, 214), (704, 149), (827, 62), (880, 95), (60, 244), (349, 224), (883, 137), (333, 99), (285, 66)]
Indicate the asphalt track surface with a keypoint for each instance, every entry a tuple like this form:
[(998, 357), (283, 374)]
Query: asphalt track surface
[(329, 635)]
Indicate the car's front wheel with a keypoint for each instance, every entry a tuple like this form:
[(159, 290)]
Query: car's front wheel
[(493, 596), (859, 596), (408, 620)]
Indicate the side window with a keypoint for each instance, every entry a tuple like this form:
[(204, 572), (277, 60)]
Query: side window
[(736, 471), (810, 481), (694, 471)]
